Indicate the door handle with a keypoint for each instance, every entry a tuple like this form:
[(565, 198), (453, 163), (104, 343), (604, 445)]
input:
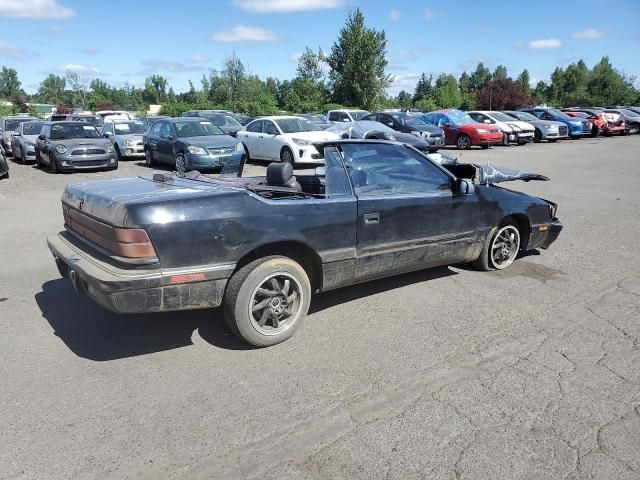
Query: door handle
[(371, 218)]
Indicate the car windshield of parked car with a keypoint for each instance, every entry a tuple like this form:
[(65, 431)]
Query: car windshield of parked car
[(65, 131), (31, 128), (631, 113), (95, 121), (501, 117), (200, 128), (558, 113), (13, 124), (294, 125), (129, 128), (223, 120), (524, 116), (358, 114), (460, 118), (409, 120)]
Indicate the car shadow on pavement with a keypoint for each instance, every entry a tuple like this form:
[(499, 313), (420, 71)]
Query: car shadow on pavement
[(330, 299), (95, 333)]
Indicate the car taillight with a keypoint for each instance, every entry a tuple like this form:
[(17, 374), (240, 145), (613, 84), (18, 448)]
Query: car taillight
[(133, 243)]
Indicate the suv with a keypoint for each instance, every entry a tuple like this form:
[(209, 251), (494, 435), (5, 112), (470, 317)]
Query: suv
[(405, 123), (345, 115), (8, 126)]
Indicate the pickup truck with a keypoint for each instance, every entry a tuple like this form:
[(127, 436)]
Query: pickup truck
[(260, 246)]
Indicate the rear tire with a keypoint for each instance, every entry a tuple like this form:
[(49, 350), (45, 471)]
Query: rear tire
[(252, 298)]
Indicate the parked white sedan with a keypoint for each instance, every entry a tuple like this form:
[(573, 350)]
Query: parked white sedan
[(515, 131), (284, 139)]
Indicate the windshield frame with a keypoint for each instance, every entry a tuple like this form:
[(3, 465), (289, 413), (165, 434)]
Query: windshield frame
[(497, 116), (86, 127), (24, 124)]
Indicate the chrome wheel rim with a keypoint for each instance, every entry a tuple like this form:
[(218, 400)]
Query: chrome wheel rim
[(180, 166), (286, 156), (462, 143), (505, 247), (276, 303), (147, 157)]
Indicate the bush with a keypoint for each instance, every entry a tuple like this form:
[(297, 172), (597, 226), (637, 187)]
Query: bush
[(332, 106)]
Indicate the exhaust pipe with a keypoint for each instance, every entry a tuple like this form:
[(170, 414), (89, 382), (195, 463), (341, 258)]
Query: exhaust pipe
[(76, 281)]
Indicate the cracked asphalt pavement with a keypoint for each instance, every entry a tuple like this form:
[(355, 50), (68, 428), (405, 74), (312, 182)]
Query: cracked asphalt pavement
[(528, 373)]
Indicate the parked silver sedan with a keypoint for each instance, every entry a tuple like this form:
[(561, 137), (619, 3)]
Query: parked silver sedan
[(126, 137), (23, 142)]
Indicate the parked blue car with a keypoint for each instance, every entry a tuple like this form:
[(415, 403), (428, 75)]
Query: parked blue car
[(577, 127)]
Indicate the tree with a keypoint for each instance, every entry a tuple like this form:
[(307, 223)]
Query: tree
[(358, 61), (541, 93), (502, 94), (608, 87), (480, 77), (524, 80), (51, 89), (500, 72), (79, 83), (424, 88), (447, 94), (404, 99), (310, 65), (9, 83), (155, 90)]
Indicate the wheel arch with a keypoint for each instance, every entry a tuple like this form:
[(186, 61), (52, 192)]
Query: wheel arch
[(523, 224), (302, 253)]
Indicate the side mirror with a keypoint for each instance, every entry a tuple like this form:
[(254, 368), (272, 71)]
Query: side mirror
[(42, 137), (462, 187)]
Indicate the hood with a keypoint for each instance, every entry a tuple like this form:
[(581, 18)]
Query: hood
[(315, 136), (30, 138), (111, 201), (410, 139), (488, 174), (520, 124), (72, 143), (217, 141), (476, 125)]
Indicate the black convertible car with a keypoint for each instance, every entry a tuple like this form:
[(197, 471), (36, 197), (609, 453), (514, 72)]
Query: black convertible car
[(260, 246)]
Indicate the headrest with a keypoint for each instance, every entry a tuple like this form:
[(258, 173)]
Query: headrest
[(279, 173)]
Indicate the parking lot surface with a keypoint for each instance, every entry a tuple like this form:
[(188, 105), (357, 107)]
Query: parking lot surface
[(450, 373)]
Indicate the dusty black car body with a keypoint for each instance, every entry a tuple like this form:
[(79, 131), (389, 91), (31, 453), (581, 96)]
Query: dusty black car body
[(341, 226)]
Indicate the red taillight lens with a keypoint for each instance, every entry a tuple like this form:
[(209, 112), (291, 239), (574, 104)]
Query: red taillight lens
[(133, 243)]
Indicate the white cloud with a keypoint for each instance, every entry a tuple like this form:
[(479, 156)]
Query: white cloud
[(589, 34), (197, 59), (72, 67), (11, 51), (406, 82), (295, 57), (35, 9), (394, 15), (283, 6), (430, 14), (155, 65), (545, 43), (89, 50), (243, 33)]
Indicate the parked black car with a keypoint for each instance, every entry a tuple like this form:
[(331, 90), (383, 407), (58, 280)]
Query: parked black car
[(4, 165), (244, 119), (261, 246), (188, 144), (70, 146), (407, 123)]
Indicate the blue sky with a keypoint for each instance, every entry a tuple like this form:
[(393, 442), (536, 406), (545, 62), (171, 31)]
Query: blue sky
[(126, 40)]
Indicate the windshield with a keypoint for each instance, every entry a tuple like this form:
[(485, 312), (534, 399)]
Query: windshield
[(13, 124), (294, 125), (315, 119), (31, 128), (222, 120), (64, 131), (629, 112), (409, 120), (128, 128), (459, 118), (501, 117), (557, 113), (358, 114), (200, 128), (524, 116), (95, 121)]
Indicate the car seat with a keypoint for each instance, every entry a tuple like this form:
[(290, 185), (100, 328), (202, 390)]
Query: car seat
[(281, 175)]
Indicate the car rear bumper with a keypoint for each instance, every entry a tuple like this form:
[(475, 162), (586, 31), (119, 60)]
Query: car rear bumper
[(133, 290)]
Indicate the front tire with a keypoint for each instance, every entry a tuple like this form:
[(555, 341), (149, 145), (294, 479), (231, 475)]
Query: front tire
[(23, 156), (53, 163), (463, 142), (537, 136), (118, 154), (148, 158), (266, 301), (181, 165), (501, 250), (286, 155)]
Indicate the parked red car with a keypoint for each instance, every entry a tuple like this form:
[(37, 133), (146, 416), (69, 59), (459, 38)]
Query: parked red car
[(463, 131), (596, 118)]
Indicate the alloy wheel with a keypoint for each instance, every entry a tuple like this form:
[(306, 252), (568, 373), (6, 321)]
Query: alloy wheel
[(505, 247), (275, 303)]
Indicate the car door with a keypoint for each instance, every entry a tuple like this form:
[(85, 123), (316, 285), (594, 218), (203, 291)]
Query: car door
[(153, 139), (271, 142), (408, 216), (165, 143), (450, 131), (250, 138), (42, 143)]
